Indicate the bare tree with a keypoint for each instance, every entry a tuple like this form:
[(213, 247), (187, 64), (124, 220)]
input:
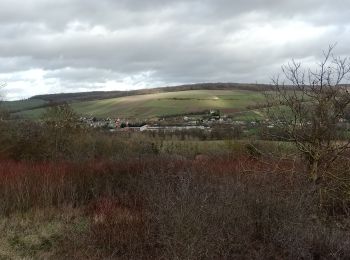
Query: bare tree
[(3, 112), (307, 105), (2, 86)]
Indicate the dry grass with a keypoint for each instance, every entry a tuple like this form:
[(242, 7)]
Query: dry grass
[(39, 234)]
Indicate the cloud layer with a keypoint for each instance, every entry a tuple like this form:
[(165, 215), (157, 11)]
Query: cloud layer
[(77, 45)]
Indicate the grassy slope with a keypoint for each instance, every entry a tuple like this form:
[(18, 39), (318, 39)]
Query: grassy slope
[(169, 103), (146, 106), (30, 114), (23, 104)]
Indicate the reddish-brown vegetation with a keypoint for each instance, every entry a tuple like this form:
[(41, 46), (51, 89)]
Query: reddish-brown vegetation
[(165, 207)]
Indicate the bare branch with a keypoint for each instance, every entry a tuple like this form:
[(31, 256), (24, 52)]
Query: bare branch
[(310, 106)]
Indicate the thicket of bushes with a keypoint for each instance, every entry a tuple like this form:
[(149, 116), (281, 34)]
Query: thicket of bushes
[(39, 141), (167, 208)]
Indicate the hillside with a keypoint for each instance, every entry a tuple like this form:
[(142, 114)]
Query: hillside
[(23, 105), (163, 104), (96, 95)]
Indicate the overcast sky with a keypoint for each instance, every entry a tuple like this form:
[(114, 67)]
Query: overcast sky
[(50, 46)]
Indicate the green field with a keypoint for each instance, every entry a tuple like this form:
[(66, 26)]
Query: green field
[(23, 104), (30, 114), (234, 102), (171, 103)]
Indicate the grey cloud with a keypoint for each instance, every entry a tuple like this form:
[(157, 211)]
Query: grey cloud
[(84, 44)]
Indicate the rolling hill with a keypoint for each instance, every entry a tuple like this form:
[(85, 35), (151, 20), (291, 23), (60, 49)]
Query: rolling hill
[(170, 103), (234, 99), (23, 105), (96, 95)]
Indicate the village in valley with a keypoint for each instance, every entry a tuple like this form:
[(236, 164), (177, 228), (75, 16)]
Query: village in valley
[(208, 122), (204, 122)]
